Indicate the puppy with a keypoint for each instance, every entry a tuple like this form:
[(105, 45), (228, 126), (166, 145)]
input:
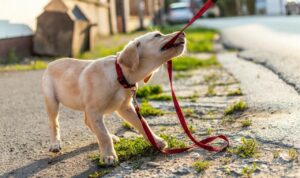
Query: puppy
[(92, 86)]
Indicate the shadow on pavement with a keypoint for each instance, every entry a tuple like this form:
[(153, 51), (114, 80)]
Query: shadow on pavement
[(39, 165)]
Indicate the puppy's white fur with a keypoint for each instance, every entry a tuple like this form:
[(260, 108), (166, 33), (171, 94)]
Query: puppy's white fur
[(91, 86)]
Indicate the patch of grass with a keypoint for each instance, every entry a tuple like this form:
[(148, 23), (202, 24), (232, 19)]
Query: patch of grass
[(247, 149), (200, 166), (127, 126), (185, 63), (149, 90), (225, 160), (248, 171), (160, 97), (163, 129), (236, 107), (211, 78), (211, 90), (147, 109), (276, 154), (173, 142), (188, 112), (34, 65), (192, 129), (293, 154), (237, 92), (101, 51), (209, 131), (182, 75), (246, 122)]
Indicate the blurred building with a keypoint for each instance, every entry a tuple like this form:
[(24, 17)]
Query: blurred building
[(15, 40)]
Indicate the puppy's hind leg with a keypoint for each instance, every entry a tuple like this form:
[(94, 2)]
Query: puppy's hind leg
[(52, 106)]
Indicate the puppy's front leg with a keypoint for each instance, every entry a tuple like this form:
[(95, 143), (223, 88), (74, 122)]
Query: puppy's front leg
[(107, 151), (128, 113)]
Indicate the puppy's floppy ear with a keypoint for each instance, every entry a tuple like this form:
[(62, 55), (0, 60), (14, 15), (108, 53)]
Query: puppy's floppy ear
[(129, 57)]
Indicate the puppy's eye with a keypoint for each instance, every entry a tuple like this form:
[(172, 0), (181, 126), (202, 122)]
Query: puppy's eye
[(157, 35)]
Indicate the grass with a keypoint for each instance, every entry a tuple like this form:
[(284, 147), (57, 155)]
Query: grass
[(201, 165), (101, 51), (247, 149), (248, 171), (236, 107), (182, 75), (147, 109), (192, 129), (209, 131), (186, 63), (135, 148), (293, 154), (34, 65), (211, 90), (127, 126), (188, 112), (153, 92), (246, 122), (160, 97), (276, 154), (211, 78), (237, 92)]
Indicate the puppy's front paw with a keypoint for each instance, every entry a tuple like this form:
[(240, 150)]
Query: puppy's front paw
[(161, 143), (55, 148), (109, 159)]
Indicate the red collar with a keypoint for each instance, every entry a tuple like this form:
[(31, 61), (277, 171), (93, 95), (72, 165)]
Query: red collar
[(121, 78)]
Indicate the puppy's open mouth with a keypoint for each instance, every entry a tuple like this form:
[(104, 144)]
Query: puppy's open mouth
[(176, 44)]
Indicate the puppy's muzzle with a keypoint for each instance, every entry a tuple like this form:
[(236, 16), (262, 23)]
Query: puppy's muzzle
[(180, 41)]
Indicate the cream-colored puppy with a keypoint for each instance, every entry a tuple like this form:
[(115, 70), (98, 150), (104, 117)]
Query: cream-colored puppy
[(92, 86)]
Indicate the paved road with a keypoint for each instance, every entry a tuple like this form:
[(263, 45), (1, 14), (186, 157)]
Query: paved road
[(24, 135), (278, 119), (271, 41)]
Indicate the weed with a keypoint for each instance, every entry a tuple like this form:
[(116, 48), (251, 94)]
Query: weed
[(188, 112), (163, 129), (247, 149), (225, 160), (247, 172), (236, 107), (185, 63), (228, 119), (200, 166), (237, 92), (172, 141), (127, 126), (211, 78), (192, 129), (148, 110), (160, 97), (182, 76), (209, 131), (246, 123), (211, 90), (293, 154), (276, 154)]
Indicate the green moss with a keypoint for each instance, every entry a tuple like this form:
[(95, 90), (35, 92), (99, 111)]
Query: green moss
[(200, 166), (185, 63), (246, 123), (172, 141), (147, 109), (247, 149), (236, 107), (34, 65), (237, 92)]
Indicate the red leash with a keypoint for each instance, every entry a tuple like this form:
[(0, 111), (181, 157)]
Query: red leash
[(203, 143)]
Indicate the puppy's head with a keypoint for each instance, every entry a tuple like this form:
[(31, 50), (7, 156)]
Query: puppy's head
[(145, 54)]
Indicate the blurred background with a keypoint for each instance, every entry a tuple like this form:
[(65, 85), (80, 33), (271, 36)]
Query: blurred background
[(70, 27)]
